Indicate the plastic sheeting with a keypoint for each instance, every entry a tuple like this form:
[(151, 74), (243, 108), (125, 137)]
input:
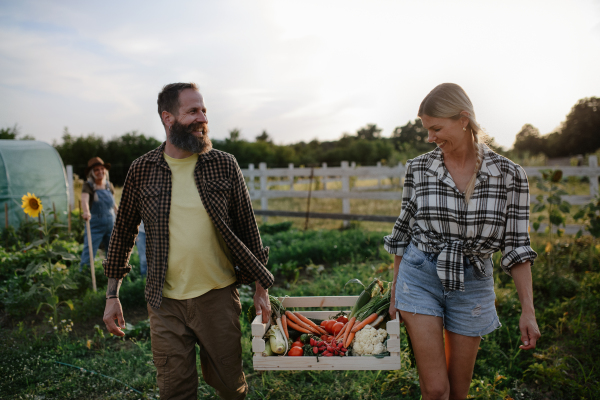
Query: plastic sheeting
[(34, 167)]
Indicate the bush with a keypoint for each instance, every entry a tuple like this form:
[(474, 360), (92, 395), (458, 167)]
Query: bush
[(294, 250)]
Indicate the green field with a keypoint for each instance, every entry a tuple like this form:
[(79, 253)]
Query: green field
[(317, 262)]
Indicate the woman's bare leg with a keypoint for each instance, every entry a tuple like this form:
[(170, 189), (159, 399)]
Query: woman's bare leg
[(427, 338), (461, 352)]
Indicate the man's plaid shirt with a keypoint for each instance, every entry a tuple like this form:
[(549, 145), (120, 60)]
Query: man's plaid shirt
[(436, 219), (147, 196)]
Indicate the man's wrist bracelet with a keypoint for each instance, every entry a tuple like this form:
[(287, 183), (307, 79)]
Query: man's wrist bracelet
[(112, 297)]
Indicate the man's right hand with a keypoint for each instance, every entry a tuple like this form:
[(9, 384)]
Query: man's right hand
[(86, 215), (112, 312)]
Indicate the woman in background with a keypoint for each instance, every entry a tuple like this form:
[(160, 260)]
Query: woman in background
[(98, 206), (461, 203)]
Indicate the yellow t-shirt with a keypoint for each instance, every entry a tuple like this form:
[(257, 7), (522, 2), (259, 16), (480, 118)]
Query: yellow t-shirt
[(199, 259)]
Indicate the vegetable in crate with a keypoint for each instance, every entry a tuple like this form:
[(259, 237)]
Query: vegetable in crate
[(277, 340), (268, 351), (373, 289), (369, 341)]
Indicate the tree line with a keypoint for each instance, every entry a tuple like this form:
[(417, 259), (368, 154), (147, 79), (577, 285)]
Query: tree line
[(578, 134)]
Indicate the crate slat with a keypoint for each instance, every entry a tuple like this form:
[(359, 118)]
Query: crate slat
[(393, 327), (319, 301), (393, 345), (321, 314), (325, 363), (258, 328), (258, 344)]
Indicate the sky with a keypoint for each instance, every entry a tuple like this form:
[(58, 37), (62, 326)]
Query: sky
[(301, 70)]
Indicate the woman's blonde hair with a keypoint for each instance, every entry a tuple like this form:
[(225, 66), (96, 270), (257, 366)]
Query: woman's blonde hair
[(448, 100)]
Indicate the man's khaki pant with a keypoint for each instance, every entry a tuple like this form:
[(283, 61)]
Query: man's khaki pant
[(212, 322)]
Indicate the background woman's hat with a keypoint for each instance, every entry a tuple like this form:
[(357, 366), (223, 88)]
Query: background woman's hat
[(95, 161)]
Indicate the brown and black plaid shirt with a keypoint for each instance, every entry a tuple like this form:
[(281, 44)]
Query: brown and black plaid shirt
[(147, 196)]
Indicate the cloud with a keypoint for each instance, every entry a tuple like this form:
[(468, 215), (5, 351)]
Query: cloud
[(297, 69)]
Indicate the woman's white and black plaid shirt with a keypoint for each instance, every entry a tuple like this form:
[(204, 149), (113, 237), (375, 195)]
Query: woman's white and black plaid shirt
[(436, 218)]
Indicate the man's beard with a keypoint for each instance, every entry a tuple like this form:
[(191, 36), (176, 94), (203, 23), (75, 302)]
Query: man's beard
[(182, 137)]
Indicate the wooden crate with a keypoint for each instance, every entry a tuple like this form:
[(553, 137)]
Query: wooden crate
[(261, 363)]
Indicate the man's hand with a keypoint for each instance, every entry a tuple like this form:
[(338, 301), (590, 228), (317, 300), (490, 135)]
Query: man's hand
[(86, 215), (112, 312), (262, 303)]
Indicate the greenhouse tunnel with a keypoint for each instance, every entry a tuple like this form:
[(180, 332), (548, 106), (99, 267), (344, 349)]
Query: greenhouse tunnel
[(34, 167)]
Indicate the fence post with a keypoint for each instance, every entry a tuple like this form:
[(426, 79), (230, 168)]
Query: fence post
[(378, 175), (264, 202), (593, 160), (251, 179), (291, 168), (71, 188), (345, 189), (324, 179), (401, 175)]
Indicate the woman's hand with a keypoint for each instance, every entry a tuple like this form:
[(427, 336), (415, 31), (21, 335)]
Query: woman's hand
[(530, 333), (393, 310)]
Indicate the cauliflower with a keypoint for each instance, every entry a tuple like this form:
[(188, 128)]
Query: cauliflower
[(369, 341)]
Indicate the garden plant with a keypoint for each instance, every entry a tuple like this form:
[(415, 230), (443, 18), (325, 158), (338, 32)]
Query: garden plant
[(41, 272)]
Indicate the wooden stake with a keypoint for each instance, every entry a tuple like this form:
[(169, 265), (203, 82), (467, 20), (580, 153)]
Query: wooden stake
[(90, 248), (6, 214), (69, 220), (54, 209)]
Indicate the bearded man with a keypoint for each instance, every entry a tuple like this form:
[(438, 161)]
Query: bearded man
[(201, 241)]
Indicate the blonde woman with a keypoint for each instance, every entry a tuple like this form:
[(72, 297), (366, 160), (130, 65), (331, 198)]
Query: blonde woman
[(461, 203)]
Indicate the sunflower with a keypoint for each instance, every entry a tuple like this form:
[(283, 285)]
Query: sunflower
[(31, 205)]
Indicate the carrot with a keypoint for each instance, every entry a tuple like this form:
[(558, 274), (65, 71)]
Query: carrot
[(298, 327), (310, 323), (284, 324), (350, 325), (293, 318), (366, 321), (349, 340)]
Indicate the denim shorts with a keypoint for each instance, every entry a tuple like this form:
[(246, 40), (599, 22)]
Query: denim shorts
[(471, 312)]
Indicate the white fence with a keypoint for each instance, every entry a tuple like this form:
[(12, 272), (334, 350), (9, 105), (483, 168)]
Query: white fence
[(262, 179)]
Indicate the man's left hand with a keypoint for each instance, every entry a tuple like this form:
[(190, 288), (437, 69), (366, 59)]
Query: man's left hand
[(262, 303)]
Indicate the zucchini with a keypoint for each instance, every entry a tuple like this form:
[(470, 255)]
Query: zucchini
[(364, 297)]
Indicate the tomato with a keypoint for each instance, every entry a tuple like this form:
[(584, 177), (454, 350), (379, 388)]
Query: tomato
[(337, 327), (329, 325), (296, 351), (342, 319), (297, 343), (322, 324)]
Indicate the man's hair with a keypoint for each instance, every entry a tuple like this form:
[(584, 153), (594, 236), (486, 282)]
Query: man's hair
[(168, 98)]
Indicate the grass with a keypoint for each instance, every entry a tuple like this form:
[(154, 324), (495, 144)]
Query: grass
[(563, 366)]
